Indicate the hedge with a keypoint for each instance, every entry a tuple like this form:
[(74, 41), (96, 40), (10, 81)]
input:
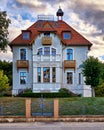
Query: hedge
[(45, 95)]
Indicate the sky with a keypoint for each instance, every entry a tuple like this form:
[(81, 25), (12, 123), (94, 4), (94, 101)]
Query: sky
[(85, 16)]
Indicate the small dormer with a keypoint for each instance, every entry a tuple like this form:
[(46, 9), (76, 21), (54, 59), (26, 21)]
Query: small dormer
[(26, 34), (66, 35)]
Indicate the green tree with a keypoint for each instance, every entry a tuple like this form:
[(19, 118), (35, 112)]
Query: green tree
[(7, 70), (4, 86), (4, 24), (102, 73), (92, 72)]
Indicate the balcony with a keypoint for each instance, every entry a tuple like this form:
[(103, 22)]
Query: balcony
[(69, 64), (22, 64), (46, 40)]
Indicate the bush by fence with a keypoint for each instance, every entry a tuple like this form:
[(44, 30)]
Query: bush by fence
[(45, 95)]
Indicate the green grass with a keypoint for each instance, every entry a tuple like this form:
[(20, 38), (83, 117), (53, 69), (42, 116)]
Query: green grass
[(81, 106), (11, 106)]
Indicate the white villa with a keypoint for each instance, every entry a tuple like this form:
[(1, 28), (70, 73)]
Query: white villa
[(48, 56)]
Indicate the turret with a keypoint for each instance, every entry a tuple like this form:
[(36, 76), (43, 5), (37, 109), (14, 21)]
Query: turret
[(60, 14)]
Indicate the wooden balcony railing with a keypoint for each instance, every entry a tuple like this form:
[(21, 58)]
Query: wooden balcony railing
[(22, 64), (69, 64), (46, 40)]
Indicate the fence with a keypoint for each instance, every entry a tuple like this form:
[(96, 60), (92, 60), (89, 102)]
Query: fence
[(51, 107), (29, 107)]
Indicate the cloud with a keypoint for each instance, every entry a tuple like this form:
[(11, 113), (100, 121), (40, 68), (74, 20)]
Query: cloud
[(85, 16), (35, 5), (7, 55)]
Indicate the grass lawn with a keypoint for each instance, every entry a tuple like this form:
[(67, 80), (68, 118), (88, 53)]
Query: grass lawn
[(81, 106), (67, 106), (12, 106)]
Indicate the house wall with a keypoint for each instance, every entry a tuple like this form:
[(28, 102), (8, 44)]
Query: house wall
[(16, 72), (79, 54), (47, 61)]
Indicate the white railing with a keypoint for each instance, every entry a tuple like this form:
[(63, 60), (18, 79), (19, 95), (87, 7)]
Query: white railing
[(46, 58), (52, 87)]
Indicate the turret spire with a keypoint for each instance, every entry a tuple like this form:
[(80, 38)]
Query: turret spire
[(60, 13)]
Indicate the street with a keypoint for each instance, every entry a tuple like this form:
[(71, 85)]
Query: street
[(53, 126)]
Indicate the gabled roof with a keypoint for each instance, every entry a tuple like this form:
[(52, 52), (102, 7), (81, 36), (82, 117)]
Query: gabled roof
[(57, 27)]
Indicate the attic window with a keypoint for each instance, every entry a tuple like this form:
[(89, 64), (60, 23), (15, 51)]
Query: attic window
[(47, 34), (26, 35), (67, 35)]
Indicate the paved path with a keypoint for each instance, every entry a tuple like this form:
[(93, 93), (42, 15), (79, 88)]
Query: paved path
[(52, 126)]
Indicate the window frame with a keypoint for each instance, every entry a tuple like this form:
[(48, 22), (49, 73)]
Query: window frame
[(52, 52), (71, 79), (79, 78), (26, 35), (23, 77), (66, 35), (38, 75), (47, 52), (20, 54), (47, 79), (46, 34), (53, 74), (40, 53), (70, 54)]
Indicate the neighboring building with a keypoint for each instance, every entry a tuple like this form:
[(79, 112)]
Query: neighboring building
[(48, 56)]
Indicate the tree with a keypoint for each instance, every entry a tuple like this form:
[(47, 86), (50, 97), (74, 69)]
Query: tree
[(92, 72), (4, 86), (102, 73), (7, 70), (4, 24)]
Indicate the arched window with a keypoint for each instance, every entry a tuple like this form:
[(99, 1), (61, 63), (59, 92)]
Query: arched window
[(53, 51), (40, 51), (69, 54), (47, 51), (22, 54)]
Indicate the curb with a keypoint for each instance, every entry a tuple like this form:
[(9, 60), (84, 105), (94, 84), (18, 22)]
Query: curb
[(52, 119)]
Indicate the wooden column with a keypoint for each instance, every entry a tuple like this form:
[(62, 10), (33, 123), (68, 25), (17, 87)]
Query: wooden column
[(28, 108), (56, 108)]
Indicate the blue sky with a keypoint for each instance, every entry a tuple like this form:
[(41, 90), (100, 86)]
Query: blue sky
[(85, 16)]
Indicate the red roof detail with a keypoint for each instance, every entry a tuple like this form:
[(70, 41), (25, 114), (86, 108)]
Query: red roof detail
[(57, 27)]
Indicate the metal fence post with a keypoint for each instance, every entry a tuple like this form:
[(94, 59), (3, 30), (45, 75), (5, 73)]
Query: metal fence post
[(28, 108), (56, 108)]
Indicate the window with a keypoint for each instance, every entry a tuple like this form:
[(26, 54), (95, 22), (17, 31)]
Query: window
[(69, 78), (79, 78), (22, 54), (39, 74), (26, 35), (23, 76), (47, 51), (53, 51), (40, 52), (67, 35), (53, 74), (46, 74), (47, 34), (69, 54)]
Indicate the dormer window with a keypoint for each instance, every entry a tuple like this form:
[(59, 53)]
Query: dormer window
[(26, 35), (67, 35)]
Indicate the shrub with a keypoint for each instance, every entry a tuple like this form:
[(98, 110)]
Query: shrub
[(45, 95), (63, 90), (99, 91)]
